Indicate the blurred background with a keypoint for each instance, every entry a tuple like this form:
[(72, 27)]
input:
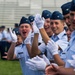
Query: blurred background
[(12, 10)]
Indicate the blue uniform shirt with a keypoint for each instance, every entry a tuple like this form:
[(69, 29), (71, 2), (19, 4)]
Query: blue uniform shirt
[(61, 40), (70, 50), (22, 54), (4, 34)]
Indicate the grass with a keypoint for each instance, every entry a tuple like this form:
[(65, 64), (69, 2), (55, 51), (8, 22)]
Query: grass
[(10, 67)]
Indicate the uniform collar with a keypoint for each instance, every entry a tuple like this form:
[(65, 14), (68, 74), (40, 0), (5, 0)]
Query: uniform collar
[(60, 35), (73, 34), (23, 44)]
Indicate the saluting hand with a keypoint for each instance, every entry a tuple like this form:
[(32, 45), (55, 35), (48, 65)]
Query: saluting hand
[(13, 35), (39, 21)]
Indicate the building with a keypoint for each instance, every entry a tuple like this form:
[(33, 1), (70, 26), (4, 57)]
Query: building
[(12, 10)]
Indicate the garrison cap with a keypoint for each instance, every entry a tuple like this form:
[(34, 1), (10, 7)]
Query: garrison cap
[(56, 15), (72, 5), (46, 14), (24, 20), (66, 8), (31, 18)]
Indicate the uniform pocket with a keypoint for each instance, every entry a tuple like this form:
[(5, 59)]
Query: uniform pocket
[(63, 56), (20, 55)]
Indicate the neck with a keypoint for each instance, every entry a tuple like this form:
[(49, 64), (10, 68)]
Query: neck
[(50, 34)]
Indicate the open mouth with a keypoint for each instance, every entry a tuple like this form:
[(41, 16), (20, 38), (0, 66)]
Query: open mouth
[(24, 33)]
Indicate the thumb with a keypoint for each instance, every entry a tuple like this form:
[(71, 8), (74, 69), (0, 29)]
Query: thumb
[(39, 58), (55, 67), (46, 60)]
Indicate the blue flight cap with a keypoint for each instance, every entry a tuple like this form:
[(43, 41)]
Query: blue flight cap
[(56, 15), (16, 24), (46, 14), (66, 8), (24, 20), (72, 5), (31, 18)]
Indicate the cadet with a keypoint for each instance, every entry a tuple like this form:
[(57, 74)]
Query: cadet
[(57, 25), (66, 13), (20, 52), (31, 19), (46, 14)]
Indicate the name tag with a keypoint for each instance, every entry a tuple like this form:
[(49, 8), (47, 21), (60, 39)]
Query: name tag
[(63, 56), (20, 55)]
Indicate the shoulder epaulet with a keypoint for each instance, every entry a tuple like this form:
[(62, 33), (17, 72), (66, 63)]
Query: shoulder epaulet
[(65, 34)]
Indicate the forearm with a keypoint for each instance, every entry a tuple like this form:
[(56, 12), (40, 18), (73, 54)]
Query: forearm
[(66, 71), (34, 49), (58, 60), (44, 35), (11, 51), (29, 49)]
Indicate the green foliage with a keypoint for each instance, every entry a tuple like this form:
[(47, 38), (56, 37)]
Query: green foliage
[(10, 68)]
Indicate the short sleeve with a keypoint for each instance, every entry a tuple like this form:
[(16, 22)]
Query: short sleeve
[(62, 43), (42, 47)]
